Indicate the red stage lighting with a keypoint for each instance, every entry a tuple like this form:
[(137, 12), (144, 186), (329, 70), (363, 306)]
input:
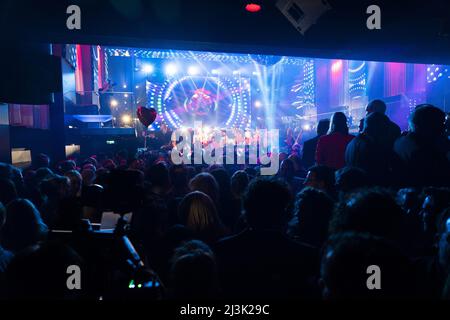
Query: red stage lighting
[(253, 7)]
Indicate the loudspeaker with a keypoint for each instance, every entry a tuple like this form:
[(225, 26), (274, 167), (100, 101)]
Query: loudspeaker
[(302, 14)]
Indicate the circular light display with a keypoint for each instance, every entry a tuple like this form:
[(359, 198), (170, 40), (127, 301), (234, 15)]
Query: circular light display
[(181, 102)]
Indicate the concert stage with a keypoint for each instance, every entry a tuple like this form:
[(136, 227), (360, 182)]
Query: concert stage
[(231, 91)]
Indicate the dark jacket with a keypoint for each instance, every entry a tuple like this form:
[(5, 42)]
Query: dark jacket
[(309, 152), (266, 264)]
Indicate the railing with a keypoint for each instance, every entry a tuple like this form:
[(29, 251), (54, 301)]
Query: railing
[(107, 109)]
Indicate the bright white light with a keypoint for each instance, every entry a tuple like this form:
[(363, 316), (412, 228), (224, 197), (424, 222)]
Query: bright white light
[(126, 95), (147, 68), (256, 73), (137, 87), (306, 127), (215, 71), (114, 103), (193, 70), (336, 66), (235, 71), (171, 69), (184, 129), (126, 119), (258, 104), (206, 129), (124, 86)]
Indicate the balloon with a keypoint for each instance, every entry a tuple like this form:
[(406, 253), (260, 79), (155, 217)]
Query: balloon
[(146, 115)]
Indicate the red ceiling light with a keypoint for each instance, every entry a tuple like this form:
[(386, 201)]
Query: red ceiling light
[(253, 7)]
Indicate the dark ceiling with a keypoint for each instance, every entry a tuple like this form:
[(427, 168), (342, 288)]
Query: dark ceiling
[(412, 31)]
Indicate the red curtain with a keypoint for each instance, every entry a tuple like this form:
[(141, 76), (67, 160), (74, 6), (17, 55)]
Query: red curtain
[(101, 66), (30, 116), (394, 79), (83, 74)]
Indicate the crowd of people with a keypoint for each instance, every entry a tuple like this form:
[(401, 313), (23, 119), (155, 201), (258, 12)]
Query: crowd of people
[(339, 204)]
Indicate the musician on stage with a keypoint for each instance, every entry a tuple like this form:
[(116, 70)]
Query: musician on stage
[(106, 94)]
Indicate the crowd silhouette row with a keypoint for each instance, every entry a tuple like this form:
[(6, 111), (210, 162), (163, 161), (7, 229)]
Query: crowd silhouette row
[(339, 204)]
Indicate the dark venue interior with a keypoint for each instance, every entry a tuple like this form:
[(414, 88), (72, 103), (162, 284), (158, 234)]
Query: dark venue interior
[(193, 150)]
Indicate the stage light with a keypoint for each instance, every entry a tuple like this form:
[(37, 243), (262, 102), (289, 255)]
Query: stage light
[(235, 71), (306, 127), (193, 70), (206, 129), (124, 86), (147, 68), (126, 119), (253, 7), (336, 66), (215, 71), (258, 104), (126, 95), (137, 87), (171, 69), (114, 103)]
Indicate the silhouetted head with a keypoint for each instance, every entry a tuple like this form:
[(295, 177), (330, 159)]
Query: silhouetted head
[(88, 176), (435, 201), (287, 169), (323, 126), (352, 262), (42, 174), (376, 106), (76, 182), (40, 273), (193, 272), (223, 180), (266, 202), (206, 183), (199, 214), (376, 126), (239, 183), (409, 200), (427, 121), (443, 235), (374, 211), (313, 209), (320, 177), (158, 175), (56, 187), (2, 217), (8, 191), (349, 179), (41, 161), (67, 165), (338, 123), (23, 227), (179, 176)]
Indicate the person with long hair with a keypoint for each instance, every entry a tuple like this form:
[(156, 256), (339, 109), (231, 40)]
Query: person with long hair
[(198, 213), (330, 150)]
